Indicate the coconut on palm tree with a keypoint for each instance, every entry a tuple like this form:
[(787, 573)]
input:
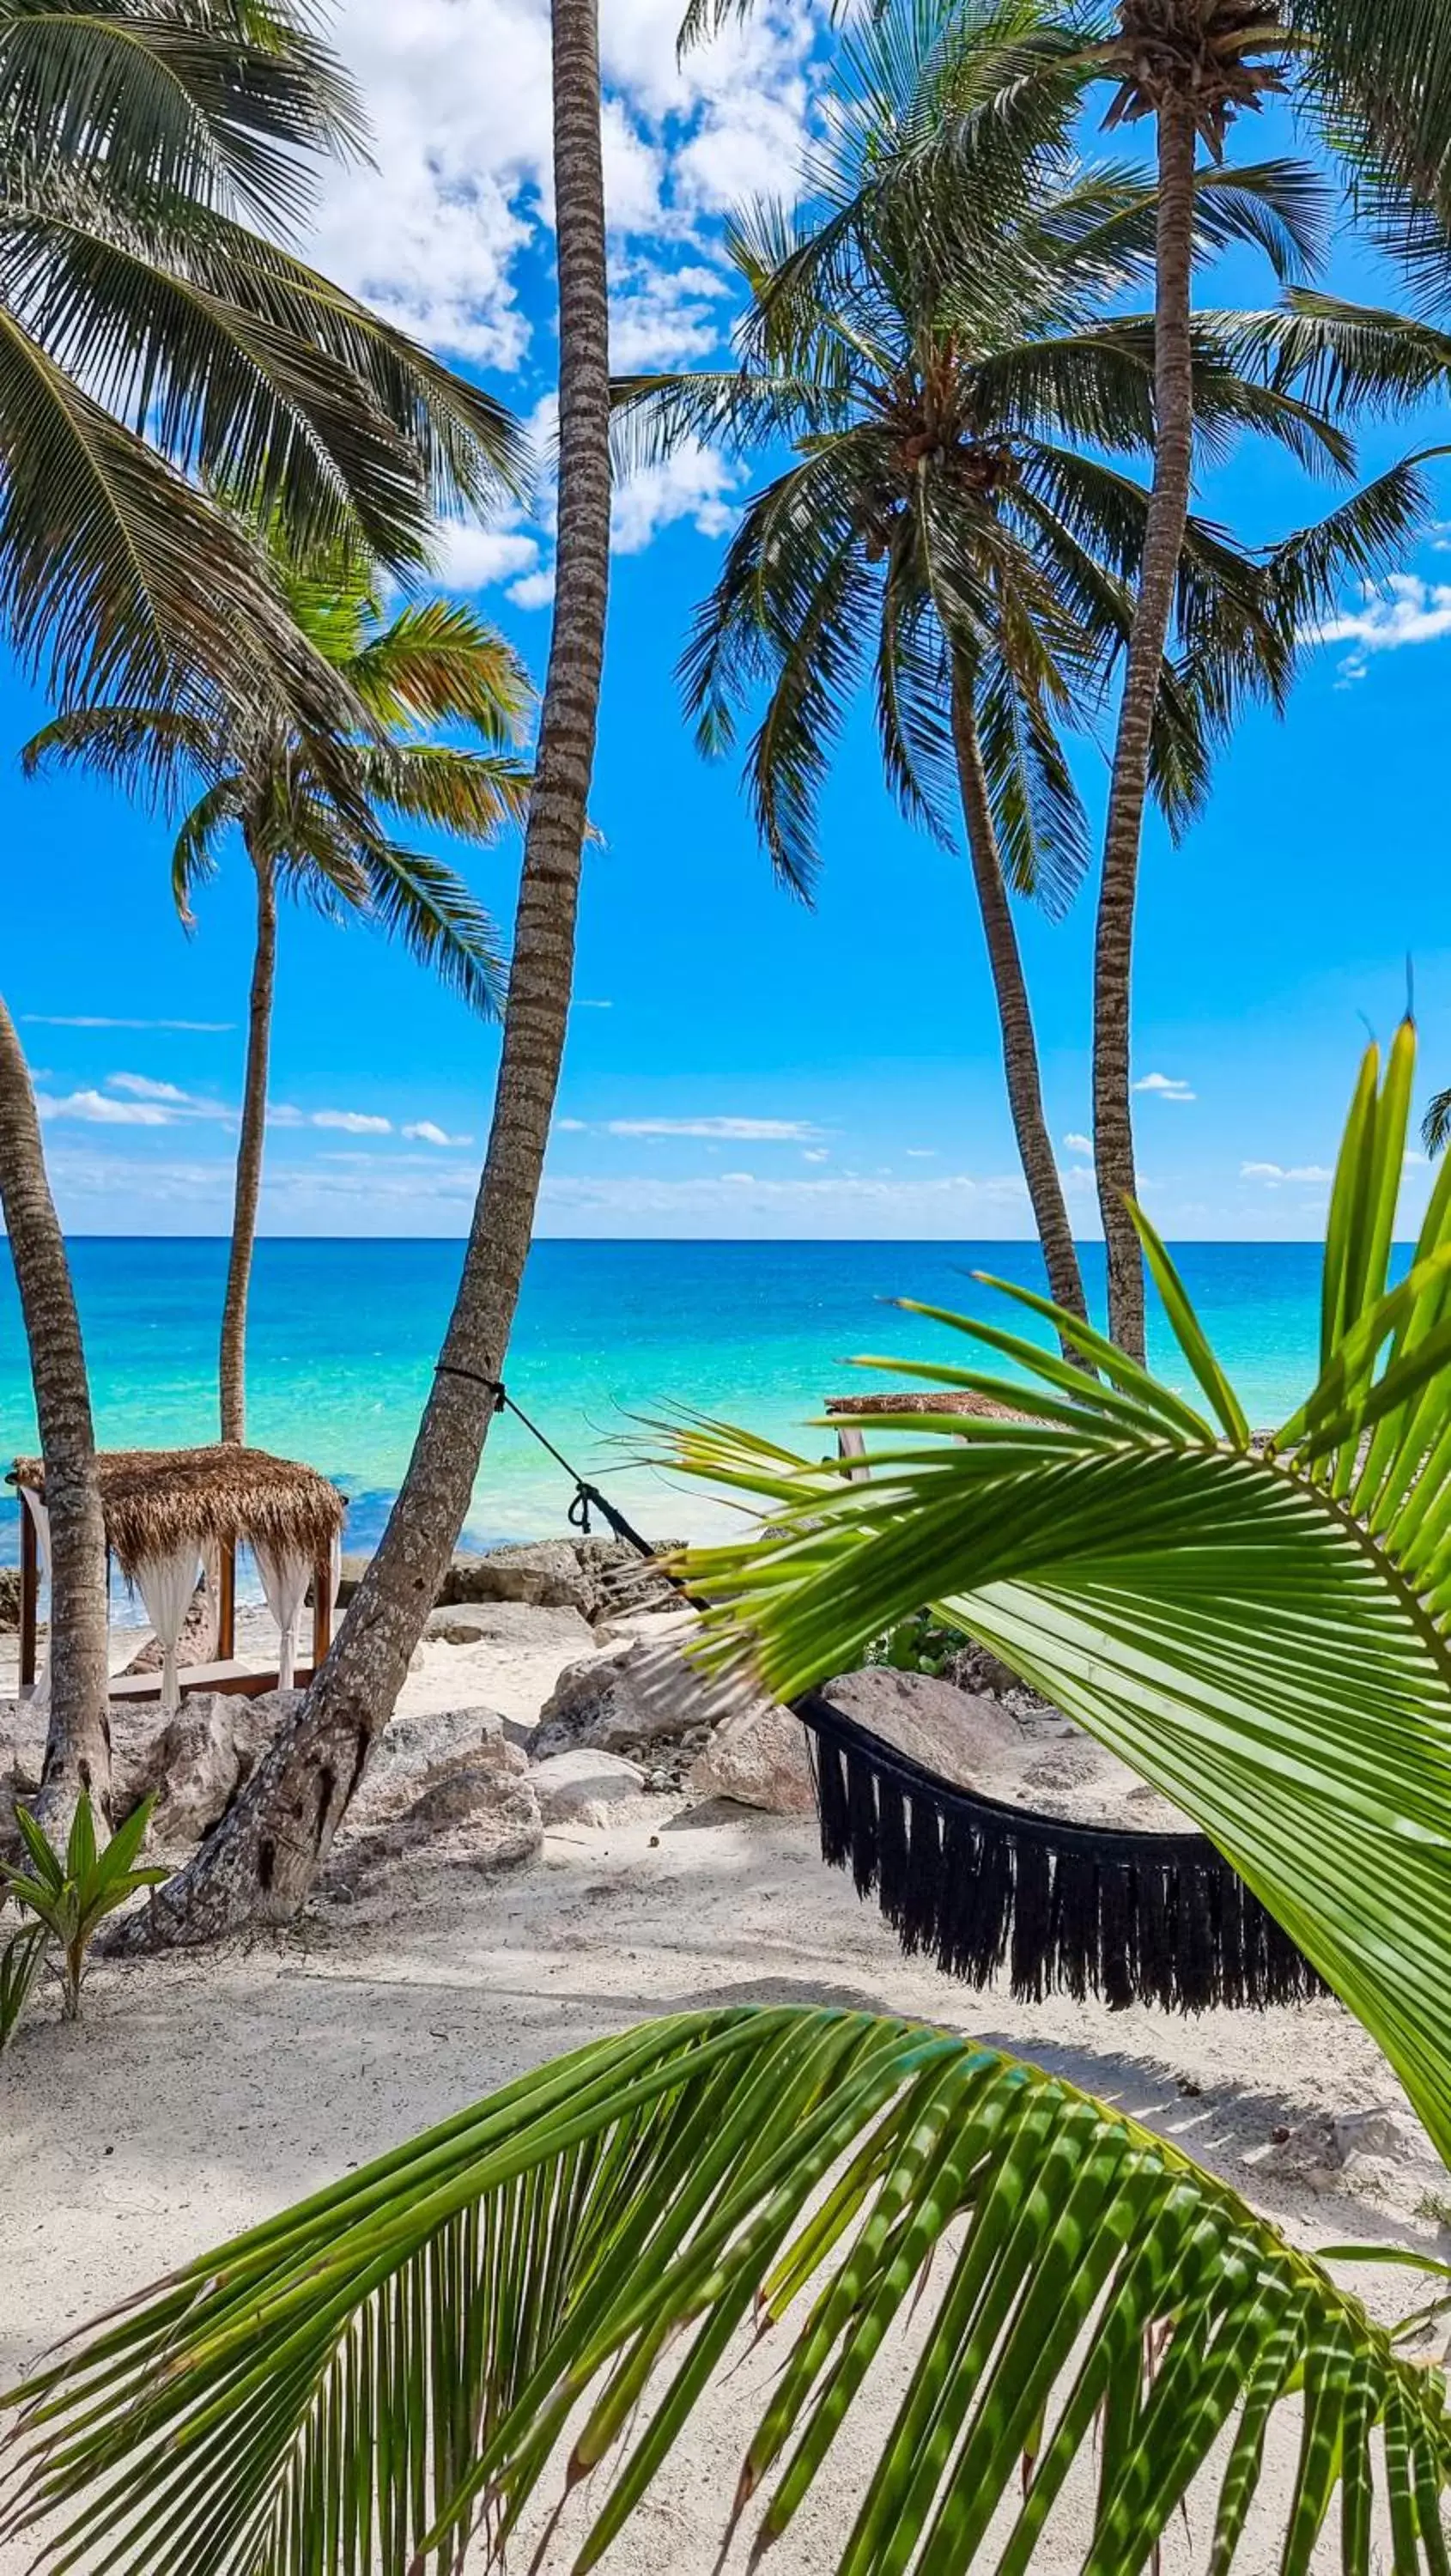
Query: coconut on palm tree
[(264, 1856), (989, 2319), (435, 662), (154, 341), (940, 340)]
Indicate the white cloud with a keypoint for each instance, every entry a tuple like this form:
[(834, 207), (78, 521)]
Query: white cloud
[(96, 1109), (1285, 1172), (665, 317), (76, 1020), (1399, 611), (139, 1086), (816, 1154), (1077, 1144), (740, 1131), (571, 1126), (351, 1122), (921, 1153), (1168, 1086), (424, 1132), (693, 483), (580, 1004), (536, 590), (470, 558)]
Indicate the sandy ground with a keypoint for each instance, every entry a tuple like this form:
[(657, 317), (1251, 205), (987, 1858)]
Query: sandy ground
[(203, 2093)]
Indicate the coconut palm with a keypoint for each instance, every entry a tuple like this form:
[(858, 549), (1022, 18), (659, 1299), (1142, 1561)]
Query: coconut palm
[(948, 366), (1376, 77), (151, 341), (264, 1856), (435, 662), (551, 2286)]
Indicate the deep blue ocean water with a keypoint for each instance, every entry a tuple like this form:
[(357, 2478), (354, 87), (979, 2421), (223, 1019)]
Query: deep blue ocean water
[(344, 1335)]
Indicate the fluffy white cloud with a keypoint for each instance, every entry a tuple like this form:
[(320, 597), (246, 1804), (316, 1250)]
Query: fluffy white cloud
[(139, 1086), (351, 1122), (1167, 1086), (470, 558), (425, 1132), (1285, 1172), (693, 484), (97, 1109), (1077, 1144), (1401, 610)]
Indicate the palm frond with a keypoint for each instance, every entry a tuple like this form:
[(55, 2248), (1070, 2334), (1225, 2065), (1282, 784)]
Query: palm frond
[(439, 662), (368, 2379), (1266, 1636), (472, 794), (218, 101), (149, 751), (426, 906)]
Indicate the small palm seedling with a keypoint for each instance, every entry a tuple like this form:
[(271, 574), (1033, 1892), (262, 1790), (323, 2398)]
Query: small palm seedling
[(71, 1898), (21, 1958)]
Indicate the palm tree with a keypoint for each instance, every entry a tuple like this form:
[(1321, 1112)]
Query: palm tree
[(435, 662), (263, 1858), (944, 360), (560, 2278), (1377, 74), (1376, 77), (152, 343)]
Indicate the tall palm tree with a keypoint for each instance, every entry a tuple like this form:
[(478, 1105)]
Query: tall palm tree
[(435, 662), (948, 370), (545, 2293), (1375, 75), (264, 1856), (152, 340)]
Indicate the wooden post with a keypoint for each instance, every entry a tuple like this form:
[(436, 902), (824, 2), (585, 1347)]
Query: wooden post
[(227, 1602), (322, 1610), (850, 1444), (29, 1587)]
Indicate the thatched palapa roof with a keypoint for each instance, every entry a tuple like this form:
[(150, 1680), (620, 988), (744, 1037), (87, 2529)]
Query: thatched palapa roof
[(154, 1500), (943, 1399)]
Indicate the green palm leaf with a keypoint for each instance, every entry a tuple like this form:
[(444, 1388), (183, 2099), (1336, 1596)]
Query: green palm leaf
[(1264, 1635), (408, 2354)]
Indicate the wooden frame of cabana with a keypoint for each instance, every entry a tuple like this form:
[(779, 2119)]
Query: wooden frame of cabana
[(162, 1502)]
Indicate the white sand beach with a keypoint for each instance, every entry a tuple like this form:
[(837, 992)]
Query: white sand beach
[(203, 2092)]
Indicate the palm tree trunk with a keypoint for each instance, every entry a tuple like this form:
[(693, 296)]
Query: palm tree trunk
[(264, 1857), (232, 1358), (1015, 1017), (78, 1748), (1113, 1132)]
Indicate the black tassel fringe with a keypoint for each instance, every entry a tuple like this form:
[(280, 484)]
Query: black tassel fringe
[(978, 1886)]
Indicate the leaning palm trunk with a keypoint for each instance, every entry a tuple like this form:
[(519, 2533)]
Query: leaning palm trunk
[(1168, 510), (264, 1858), (78, 1750), (1015, 1017), (232, 1362)]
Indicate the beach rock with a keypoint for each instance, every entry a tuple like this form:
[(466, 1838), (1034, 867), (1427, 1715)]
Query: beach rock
[(193, 1763), (351, 1570), (637, 1692), (478, 1814), (757, 1756), (546, 1574), (580, 1788), (414, 1753), (9, 1596), (962, 1736), (513, 1623), (22, 1744), (195, 1643), (668, 1618)]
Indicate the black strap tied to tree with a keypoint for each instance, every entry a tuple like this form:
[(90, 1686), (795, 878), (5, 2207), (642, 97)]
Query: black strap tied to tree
[(978, 1885)]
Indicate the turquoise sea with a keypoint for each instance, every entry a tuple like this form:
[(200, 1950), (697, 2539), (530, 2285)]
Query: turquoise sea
[(344, 1335)]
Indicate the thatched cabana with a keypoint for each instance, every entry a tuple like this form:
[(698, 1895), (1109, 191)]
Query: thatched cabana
[(850, 1442), (171, 1512)]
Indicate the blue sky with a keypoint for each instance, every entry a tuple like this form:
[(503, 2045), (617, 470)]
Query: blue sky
[(737, 1065)]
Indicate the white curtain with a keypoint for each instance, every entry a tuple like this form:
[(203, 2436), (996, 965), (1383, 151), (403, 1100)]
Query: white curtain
[(166, 1584), (40, 1697), (285, 1579)]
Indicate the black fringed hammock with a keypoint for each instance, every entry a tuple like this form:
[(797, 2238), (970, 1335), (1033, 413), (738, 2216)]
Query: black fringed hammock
[(978, 1885)]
